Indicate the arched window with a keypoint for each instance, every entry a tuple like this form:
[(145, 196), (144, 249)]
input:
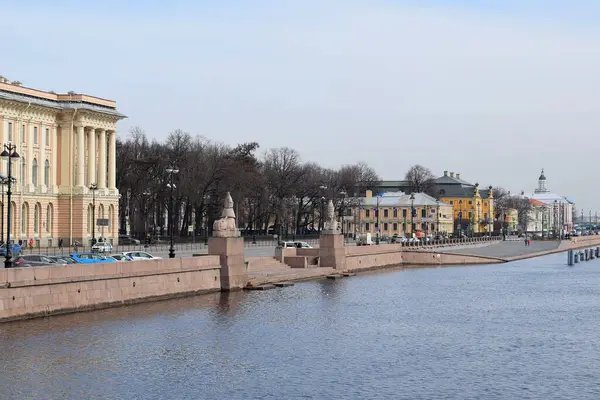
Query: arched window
[(47, 173), (24, 218), (49, 218), (34, 172), (36, 217), (23, 170)]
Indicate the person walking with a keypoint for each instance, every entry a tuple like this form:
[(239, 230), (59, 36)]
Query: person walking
[(60, 243), (31, 244)]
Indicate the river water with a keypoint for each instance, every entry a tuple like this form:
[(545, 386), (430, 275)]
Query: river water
[(525, 330)]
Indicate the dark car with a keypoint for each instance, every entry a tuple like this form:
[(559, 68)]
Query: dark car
[(63, 259), (34, 260)]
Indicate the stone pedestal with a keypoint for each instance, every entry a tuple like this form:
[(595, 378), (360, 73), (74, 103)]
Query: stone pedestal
[(234, 274), (332, 253)]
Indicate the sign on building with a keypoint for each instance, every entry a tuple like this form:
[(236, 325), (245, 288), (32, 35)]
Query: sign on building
[(102, 222)]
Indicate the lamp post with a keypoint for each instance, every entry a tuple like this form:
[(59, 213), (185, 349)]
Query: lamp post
[(377, 223), (171, 171), (93, 188), (322, 222), (343, 194), (437, 202), (9, 154), (2, 183), (412, 214)]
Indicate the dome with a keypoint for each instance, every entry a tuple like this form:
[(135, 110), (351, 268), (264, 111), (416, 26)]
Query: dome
[(542, 176)]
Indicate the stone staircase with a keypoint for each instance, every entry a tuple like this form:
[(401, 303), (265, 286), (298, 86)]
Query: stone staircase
[(263, 270)]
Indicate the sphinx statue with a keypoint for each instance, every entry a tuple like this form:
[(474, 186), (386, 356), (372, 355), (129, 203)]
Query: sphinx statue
[(226, 225), (331, 225)]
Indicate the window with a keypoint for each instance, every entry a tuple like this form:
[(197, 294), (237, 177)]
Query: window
[(10, 131), (404, 213), (47, 137), (423, 213), (470, 202), (395, 213), (47, 173), (460, 202), (367, 227), (451, 202), (376, 213), (34, 172), (404, 227), (367, 214), (485, 216), (35, 132), (433, 227), (23, 133), (385, 213), (49, 218), (423, 226), (470, 215), (385, 227), (36, 218), (395, 227)]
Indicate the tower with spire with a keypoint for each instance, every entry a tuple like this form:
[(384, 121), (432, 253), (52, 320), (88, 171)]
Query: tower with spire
[(542, 188)]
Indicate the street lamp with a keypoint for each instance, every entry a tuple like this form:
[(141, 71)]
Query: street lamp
[(478, 217), (412, 214), (377, 223), (343, 194), (93, 188), (171, 171), (9, 154), (437, 202), (322, 222)]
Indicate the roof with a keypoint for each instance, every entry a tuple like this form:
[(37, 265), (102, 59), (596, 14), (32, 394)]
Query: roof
[(542, 176), (536, 203), (401, 199), (58, 104), (450, 180)]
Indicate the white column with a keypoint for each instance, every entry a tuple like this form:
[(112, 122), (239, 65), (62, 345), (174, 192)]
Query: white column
[(42, 160), (29, 159), (80, 156), (102, 163), (92, 156), (112, 161), (54, 163)]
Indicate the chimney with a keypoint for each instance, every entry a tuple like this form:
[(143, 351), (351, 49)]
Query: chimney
[(445, 173), (457, 175), (369, 194), (451, 174)]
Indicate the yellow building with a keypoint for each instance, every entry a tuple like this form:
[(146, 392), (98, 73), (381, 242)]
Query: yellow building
[(511, 219), (473, 208), (391, 212), (66, 145)]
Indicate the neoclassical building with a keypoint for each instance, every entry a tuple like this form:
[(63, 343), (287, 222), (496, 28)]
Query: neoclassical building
[(66, 143)]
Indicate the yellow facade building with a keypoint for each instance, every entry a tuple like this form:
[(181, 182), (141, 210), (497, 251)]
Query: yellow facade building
[(473, 208), (391, 213), (66, 144)]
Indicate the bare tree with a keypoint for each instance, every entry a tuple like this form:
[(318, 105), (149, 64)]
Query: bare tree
[(420, 179)]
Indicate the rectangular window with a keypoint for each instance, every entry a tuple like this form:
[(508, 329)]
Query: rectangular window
[(404, 227), (367, 214), (470, 215), (451, 202), (10, 131), (470, 202), (395, 227), (485, 216), (395, 213), (385, 227), (385, 213), (404, 213), (376, 213), (367, 227), (35, 131), (423, 213), (23, 133), (47, 137)]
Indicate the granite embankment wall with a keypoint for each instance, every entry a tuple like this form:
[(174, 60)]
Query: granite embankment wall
[(34, 292)]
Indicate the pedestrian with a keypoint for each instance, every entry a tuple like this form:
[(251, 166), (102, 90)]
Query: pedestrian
[(60, 243), (31, 244)]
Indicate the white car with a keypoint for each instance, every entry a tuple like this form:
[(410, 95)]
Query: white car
[(120, 257), (140, 255), (102, 247)]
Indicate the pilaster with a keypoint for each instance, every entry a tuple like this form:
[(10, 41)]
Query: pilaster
[(80, 181), (92, 156), (102, 159), (112, 161)]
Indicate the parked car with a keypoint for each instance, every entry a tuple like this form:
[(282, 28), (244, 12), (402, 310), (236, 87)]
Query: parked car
[(15, 249), (35, 260), (91, 258), (128, 240), (102, 247), (140, 255), (364, 239), (120, 257), (63, 259)]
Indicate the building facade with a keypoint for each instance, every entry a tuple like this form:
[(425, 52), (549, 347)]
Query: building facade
[(66, 145), (390, 213)]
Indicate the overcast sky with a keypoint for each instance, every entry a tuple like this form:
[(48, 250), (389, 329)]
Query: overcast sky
[(493, 92)]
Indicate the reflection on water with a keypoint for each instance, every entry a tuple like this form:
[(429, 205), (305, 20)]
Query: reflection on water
[(523, 330)]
